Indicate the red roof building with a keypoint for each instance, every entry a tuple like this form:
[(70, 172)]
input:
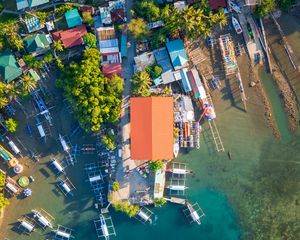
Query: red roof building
[(216, 4), (71, 37), (111, 69), (89, 9), (118, 15), (151, 128)]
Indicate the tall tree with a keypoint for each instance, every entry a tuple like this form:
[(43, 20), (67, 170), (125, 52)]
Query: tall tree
[(138, 29), (141, 83), (58, 46), (28, 83)]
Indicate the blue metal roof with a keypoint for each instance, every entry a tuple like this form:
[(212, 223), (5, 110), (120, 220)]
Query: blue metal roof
[(185, 81), (73, 18), (177, 53)]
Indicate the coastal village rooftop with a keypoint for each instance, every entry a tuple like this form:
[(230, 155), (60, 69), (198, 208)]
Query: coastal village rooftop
[(151, 128)]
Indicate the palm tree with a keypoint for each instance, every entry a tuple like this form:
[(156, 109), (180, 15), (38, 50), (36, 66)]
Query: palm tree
[(58, 46), (141, 83), (28, 83), (13, 91), (3, 101), (221, 18)]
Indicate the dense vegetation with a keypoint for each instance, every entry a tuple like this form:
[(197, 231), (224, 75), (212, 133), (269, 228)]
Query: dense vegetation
[(9, 36), (90, 40), (193, 21), (127, 208), (94, 98), (266, 6), (3, 200)]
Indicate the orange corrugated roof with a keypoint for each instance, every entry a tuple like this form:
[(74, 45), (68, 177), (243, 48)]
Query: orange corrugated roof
[(151, 126)]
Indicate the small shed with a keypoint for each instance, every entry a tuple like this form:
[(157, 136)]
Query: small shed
[(35, 76), (73, 18), (33, 24), (111, 69), (197, 87), (105, 15)]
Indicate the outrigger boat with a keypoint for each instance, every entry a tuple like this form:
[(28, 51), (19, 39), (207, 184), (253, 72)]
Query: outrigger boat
[(194, 213), (177, 187), (179, 171), (236, 25)]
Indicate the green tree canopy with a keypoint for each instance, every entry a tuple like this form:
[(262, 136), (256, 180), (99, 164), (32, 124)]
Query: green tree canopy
[(154, 166), (127, 208), (264, 8), (159, 202), (141, 83), (138, 29), (58, 46), (28, 83), (11, 125), (147, 10), (90, 93), (115, 186), (48, 57), (90, 40), (87, 18), (32, 62)]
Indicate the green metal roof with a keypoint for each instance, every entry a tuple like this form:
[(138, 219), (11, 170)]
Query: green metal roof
[(177, 53), (36, 42), (73, 18), (9, 68)]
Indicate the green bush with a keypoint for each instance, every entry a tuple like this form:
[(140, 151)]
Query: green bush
[(32, 62), (127, 208), (159, 202), (11, 125), (62, 9), (115, 186), (154, 70), (90, 40), (154, 166), (48, 58)]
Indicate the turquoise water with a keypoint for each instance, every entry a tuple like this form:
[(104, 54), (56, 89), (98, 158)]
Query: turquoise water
[(170, 223)]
